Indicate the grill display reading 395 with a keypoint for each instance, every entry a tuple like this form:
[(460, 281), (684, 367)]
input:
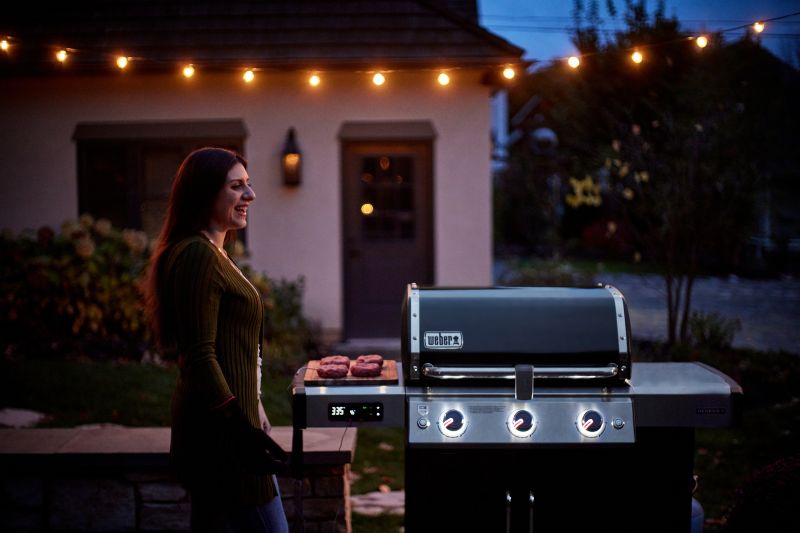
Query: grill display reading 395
[(355, 412)]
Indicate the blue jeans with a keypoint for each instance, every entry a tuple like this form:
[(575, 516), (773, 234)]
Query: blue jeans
[(267, 518)]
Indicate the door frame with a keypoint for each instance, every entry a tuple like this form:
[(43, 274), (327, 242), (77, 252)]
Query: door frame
[(410, 133)]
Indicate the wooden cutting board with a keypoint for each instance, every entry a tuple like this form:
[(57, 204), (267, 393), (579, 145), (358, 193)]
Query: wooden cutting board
[(388, 376)]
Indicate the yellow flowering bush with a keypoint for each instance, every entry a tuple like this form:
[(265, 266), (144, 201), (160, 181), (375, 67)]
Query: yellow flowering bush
[(73, 292), (78, 293)]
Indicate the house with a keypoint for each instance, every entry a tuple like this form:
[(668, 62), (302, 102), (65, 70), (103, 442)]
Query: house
[(394, 183)]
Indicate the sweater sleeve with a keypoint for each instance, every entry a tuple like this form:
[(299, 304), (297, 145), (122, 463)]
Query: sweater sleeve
[(197, 292)]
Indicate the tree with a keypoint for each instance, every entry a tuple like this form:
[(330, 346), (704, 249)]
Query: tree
[(677, 145)]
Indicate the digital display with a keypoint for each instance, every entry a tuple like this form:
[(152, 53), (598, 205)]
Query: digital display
[(355, 412)]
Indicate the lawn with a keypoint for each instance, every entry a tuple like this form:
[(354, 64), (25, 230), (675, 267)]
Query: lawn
[(75, 392)]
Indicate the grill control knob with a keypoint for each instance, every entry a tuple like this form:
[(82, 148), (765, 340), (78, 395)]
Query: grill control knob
[(521, 423), (423, 423), (452, 423), (590, 423)]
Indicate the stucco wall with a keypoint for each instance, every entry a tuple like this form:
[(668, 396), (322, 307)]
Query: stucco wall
[(292, 231)]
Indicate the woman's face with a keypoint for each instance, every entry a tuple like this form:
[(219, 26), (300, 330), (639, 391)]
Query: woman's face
[(233, 200)]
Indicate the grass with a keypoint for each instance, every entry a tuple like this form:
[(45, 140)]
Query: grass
[(725, 458), (379, 460), (75, 392)]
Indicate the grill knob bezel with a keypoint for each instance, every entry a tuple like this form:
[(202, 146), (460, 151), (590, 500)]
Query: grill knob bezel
[(449, 432), (516, 432)]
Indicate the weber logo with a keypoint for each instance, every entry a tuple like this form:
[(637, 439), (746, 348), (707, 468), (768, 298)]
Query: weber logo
[(444, 340)]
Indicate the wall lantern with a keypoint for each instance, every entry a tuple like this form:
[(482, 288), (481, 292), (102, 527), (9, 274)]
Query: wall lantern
[(291, 160)]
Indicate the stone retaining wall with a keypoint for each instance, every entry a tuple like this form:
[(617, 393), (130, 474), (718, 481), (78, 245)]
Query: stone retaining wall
[(97, 490)]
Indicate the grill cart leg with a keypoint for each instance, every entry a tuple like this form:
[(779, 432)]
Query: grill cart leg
[(530, 507), (297, 473), (508, 511)]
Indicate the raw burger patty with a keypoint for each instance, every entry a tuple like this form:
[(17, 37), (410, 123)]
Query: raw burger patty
[(372, 358), (332, 371), (365, 370), (335, 360)]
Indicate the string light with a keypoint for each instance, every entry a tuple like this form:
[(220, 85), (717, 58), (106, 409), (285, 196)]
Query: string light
[(378, 78), (248, 76)]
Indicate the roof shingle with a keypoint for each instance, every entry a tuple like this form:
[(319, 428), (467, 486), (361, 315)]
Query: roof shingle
[(297, 34)]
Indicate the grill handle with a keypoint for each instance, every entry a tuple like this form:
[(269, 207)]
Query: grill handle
[(501, 372)]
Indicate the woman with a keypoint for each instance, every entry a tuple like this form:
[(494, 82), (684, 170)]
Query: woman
[(206, 313)]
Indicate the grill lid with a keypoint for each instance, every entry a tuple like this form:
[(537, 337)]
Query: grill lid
[(452, 333)]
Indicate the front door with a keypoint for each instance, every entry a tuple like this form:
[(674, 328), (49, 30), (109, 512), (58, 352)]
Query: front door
[(388, 231)]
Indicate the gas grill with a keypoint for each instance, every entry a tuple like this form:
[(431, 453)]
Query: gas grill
[(523, 411)]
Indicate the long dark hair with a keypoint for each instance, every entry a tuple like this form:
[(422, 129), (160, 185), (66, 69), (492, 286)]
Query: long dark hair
[(191, 202)]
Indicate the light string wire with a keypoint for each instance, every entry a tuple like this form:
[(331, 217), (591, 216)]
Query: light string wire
[(646, 46), (9, 42)]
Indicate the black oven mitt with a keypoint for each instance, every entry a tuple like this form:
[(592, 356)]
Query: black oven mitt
[(259, 452)]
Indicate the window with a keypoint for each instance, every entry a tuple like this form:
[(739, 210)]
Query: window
[(125, 170)]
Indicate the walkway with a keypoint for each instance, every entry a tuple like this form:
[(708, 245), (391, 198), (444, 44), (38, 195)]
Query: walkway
[(769, 310)]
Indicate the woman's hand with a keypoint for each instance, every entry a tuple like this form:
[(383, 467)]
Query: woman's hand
[(263, 421)]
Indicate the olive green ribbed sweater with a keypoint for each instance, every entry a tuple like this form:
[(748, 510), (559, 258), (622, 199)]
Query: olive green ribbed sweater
[(216, 317)]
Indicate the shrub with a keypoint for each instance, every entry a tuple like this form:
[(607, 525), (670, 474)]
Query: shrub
[(73, 292), (544, 273), (711, 331), (78, 293)]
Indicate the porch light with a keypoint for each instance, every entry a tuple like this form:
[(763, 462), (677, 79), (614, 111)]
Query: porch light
[(509, 73), (122, 62), (61, 55), (291, 160), (574, 62), (637, 57), (443, 79), (188, 71), (759, 26), (701, 41), (314, 80), (4, 45), (378, 79), (248, 76)]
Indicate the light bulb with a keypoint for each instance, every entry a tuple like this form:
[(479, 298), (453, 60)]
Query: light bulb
[(508, 73), (122, 62), (378, 79), (314, 80), (701, 41), (759, 26), (574, 62), (248, 76), (443, 79), (61, 55), (637, 57), (188, 71), (4, 45)]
